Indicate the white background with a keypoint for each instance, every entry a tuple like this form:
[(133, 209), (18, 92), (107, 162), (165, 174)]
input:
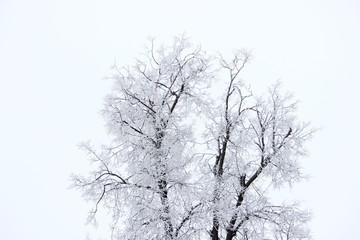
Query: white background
[(54, 54)]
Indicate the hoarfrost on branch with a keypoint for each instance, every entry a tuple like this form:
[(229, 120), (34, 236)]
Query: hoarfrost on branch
[(183, 165)]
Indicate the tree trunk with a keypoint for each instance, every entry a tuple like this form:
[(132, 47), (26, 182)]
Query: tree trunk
[(165, 217), (214, 234)]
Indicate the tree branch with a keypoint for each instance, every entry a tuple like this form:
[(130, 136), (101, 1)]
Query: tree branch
[(187, 218)]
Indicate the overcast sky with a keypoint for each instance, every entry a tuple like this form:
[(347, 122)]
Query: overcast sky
[(54, 55)]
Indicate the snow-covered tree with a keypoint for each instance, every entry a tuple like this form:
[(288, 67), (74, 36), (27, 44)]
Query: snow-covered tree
[(258, 144), (184, 166)]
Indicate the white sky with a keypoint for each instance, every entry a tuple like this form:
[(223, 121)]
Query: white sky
[(53, 55)]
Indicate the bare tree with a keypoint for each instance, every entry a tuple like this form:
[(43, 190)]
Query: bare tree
[(258, 143), (154, 175), (144, 174)]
